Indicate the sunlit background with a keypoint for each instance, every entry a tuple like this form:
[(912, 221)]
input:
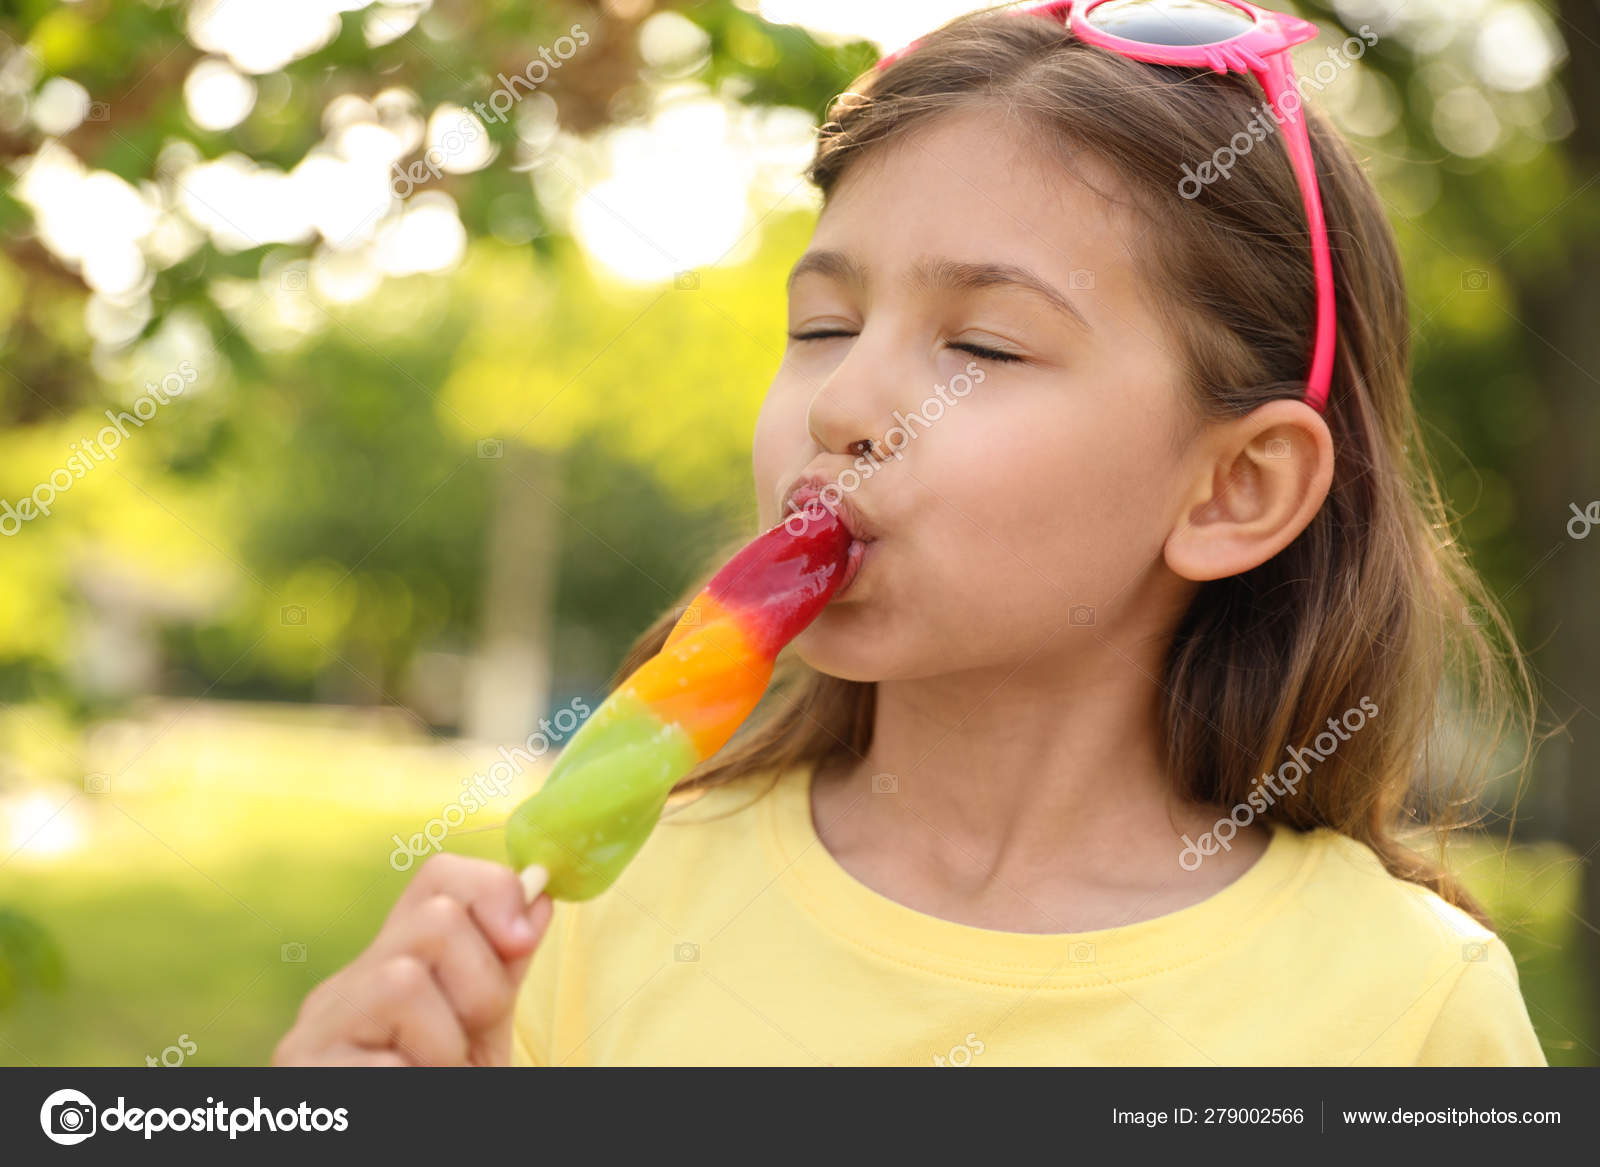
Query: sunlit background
[(437, 333)]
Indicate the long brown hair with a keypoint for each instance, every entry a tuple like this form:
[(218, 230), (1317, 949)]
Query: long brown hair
[(1375, 602)]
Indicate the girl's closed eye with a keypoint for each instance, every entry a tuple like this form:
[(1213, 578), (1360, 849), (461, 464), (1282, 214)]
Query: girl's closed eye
[(985, 353), (819, 333), (982, 352)]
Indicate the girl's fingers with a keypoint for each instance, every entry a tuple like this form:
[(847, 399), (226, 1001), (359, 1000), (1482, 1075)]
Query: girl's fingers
[(439, 984), (478, 984), (383, 1010), (336, 1014), (540, 913), (539, 916), (492, 893), (409, 1003), (352, 1055), (492, 1047)]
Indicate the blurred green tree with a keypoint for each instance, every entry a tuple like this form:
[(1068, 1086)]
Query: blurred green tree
[(362, 475)]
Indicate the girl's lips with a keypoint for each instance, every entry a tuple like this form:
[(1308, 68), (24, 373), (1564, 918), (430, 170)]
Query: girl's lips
[(782, 579), (807, 493), (852, 566)]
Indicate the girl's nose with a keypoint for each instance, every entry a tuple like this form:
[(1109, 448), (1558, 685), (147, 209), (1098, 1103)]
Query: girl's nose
[(838, 417), (858, 447)]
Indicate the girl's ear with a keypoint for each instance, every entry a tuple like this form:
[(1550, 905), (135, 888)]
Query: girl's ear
[(1258, 482)]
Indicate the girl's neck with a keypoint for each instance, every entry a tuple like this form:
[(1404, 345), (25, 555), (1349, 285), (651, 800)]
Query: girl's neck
[(1027, 798)]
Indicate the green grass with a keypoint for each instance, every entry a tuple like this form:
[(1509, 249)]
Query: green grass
[(227, 840), (235, 833), (152, 959)]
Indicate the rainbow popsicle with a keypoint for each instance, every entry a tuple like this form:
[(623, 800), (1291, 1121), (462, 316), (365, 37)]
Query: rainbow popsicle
[(609, 785)]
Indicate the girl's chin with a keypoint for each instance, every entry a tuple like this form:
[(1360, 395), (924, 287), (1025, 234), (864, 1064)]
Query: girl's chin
[(836, 645)]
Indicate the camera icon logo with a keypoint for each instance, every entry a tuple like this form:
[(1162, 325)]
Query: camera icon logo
[(885, 784), (1081, 615), (491, 448), (1081, 952), (99, 111), (1278, 447), (67, 1117), (685, 952), (293, 280), (1081, 280), (1474, 950), (686, 281), (293, 615), (293, 952), (97, 784), (1474, 280)]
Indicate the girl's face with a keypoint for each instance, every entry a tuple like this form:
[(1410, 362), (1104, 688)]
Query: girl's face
[(959, 290)]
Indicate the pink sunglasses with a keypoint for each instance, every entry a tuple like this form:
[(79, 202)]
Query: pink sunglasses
[(1222, 35)]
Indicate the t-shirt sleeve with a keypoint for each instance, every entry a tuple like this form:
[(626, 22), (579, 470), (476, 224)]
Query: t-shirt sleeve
[(533, 1017), (1484, 1021)]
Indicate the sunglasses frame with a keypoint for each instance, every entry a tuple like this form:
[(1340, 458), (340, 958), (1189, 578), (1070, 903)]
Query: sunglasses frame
[(1263, 52)]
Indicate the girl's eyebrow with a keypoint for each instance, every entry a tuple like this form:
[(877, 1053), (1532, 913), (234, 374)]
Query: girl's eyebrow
[(941, 273), (835, 264)]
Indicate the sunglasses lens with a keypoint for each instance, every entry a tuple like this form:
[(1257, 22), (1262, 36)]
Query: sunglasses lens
[(1170, 22)]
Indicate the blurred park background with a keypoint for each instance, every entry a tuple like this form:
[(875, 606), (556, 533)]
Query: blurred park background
[(430, 337)]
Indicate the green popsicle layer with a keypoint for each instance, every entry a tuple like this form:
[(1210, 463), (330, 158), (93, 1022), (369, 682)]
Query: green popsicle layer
[(602, 799)]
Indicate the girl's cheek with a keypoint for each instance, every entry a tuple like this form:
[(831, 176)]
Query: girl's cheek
[(778, 445)]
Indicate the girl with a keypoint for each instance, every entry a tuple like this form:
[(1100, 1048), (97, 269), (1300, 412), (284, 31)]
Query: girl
[(1100, 755)]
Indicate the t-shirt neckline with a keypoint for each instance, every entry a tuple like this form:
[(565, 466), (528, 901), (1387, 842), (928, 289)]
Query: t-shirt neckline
[(841, 904)]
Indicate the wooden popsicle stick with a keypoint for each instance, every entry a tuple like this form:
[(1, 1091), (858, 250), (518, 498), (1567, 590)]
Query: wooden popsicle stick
[(533, 879)]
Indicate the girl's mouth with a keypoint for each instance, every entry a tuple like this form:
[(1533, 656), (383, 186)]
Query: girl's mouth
[(809, 492), (852, 566)]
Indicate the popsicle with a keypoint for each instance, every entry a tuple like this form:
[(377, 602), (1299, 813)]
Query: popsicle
[(610, 783)]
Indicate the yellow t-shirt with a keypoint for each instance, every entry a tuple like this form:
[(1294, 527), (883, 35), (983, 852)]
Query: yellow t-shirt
[(735, 938)]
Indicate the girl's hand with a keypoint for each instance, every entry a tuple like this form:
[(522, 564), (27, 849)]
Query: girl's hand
[(437, 985)]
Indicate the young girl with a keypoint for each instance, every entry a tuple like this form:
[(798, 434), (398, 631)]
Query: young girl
[(1099, 757)]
